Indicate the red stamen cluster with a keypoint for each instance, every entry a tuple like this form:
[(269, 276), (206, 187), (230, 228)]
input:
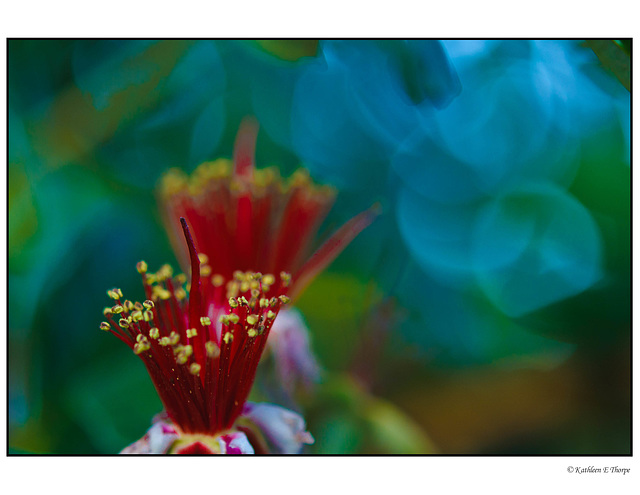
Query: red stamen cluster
[(202, 351), (252, 219)]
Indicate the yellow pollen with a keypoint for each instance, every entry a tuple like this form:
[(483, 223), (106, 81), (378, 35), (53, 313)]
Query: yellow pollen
[(264, 302), (228, 337), (268, 279), (271, 315), (140, 347), (174, 338), (255, 293), (233, 302), (114, 293), (123, 323), (252, 332), (180, 278), (105, 326), (284, 299), (180, 293), (164, 341), (148, 304), (286, 278), (243, 301), (224, 319), (191, 332), (117, 309), (252, 319), (233, 318), (137, 316), (272, 302), (213, 351), (154, 333), (254, 284), (244, 286), (141, 266), (138, 306), (205, 320), (140, 338), (128, 306), (238, 275), (107, 311), (194, 369), (148, 315)]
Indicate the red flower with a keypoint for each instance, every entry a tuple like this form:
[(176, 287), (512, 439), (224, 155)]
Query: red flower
[(201, 351), (244, 218)]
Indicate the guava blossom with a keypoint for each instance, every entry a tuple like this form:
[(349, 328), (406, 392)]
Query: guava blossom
[(201, 344), (243, 218)]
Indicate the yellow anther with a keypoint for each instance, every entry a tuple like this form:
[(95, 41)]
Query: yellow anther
[(107, 311), (205, 270), (233, 318), (205, 321), (271, 315), (265, 287), (224, 319), (154, 333), (238, 275), (194, 369), (272, 302), (191, 332), (286, 278), (180, 293), (254, 284), (217, 280), (148, 315), (260, 329), (114, 294), (128, 305), (161, 293), (174, 338), (203, 258), (244, 286), (252, 332), (256, 276), (105, 326), (233, 302), (140, 338), (140, 347), (252, 319), (284, 299), (164, 341), (213, 351), (228, 337), (166, 270), (268, 279), (264, 302), (243, 301), (180, 278), (138, 306), (150, 279), (255, 293), (137, 316), (123, 323), (148, 304), (141, 266)]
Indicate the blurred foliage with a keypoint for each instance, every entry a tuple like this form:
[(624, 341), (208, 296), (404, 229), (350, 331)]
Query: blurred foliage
[(615, 55), (487, 310)]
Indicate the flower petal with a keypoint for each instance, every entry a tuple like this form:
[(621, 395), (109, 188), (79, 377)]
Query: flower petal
[(284, 428), (235, 443), (157, 440), (289, 342)]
